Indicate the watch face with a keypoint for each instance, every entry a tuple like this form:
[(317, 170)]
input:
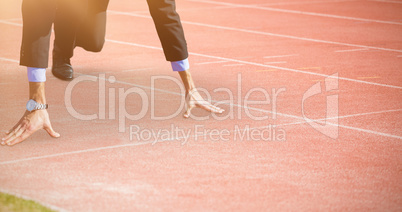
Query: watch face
[(31, 105)]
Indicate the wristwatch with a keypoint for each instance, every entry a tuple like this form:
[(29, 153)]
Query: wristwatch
[(33, 105)]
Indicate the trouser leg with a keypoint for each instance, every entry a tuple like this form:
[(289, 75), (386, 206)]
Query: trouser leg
[(38, 16), (69, 15), (169, 28)]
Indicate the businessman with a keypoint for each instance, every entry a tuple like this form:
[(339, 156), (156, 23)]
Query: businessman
[(38, 16)]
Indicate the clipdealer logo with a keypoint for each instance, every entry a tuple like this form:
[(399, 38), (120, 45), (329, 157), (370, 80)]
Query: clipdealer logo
[(200, 133), (236, 109), (328, 125)]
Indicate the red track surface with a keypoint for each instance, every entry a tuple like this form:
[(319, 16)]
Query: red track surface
[(93, 167)]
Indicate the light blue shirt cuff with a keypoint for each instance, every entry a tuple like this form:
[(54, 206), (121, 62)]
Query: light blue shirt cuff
[(36, 74), (181, 65)]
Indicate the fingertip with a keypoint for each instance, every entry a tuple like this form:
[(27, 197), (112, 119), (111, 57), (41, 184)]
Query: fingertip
[(54, 134), (187, 114), (51, 132), (11, 143), (218, 110)]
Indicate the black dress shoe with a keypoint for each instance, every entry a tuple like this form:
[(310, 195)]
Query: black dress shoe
[(62, 69)]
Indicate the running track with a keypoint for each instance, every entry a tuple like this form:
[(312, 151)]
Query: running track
[(235, 45)]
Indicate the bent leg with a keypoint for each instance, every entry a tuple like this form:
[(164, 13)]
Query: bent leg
[(69, 15)]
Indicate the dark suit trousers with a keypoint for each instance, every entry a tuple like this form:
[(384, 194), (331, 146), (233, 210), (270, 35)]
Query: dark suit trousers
[(39, 15)]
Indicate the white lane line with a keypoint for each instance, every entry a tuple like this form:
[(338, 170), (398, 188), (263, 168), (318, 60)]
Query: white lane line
[(388, 1), (9, 60), (264, 33), (299, 71), (298, 12), (10, 23), (12, 19), (372, 77), (279, 56), (189, 9), (52, 207), (351, 50), (234, 65), (139, 69), (275, 62), (259, 64), (365, 114), (302, 3), (74, 152), (212, 62)]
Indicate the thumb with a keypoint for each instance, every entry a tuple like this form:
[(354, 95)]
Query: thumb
[(51, 132)]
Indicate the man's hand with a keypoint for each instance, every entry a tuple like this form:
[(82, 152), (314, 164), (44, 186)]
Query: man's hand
[(194, 99), (28, 124)]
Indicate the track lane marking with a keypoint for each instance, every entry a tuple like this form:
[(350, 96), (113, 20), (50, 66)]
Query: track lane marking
[(263, 33), (298, 12), (373, 77), (351, 50), (279, 56), (387, 1), (276, 62), (211, 62), (259, 64), (230, 65)]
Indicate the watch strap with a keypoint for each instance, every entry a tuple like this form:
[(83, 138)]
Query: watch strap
[(41, 106)]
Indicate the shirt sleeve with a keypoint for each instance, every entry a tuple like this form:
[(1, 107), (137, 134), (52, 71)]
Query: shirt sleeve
[(36, 74), (181, 65)]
